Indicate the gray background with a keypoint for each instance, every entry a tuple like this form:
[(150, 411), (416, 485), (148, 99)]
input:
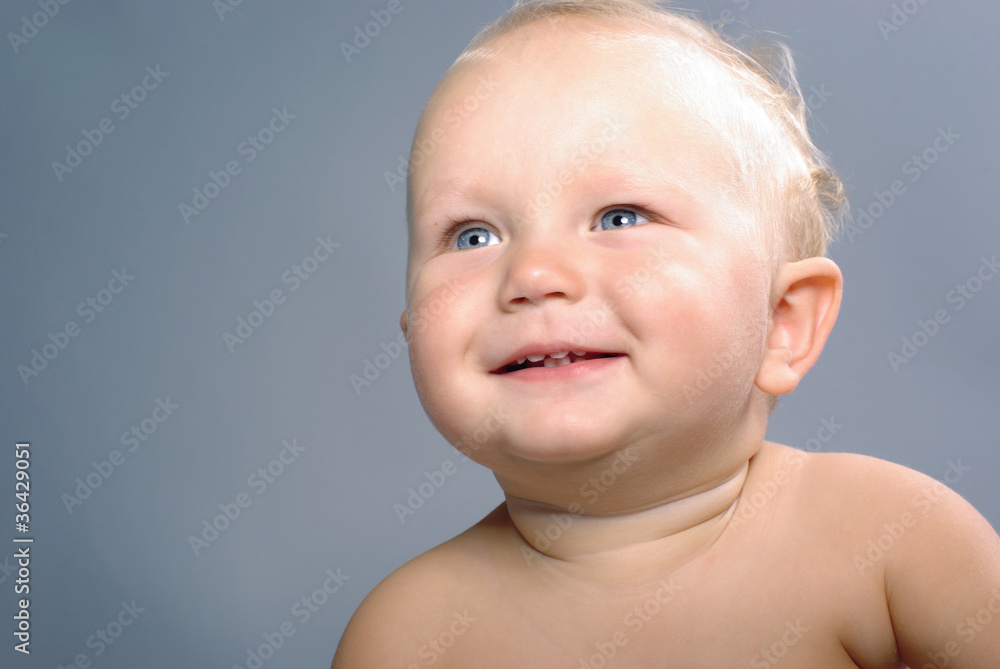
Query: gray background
[(332, 507)]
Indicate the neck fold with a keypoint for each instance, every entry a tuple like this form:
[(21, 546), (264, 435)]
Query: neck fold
[(678, 528)]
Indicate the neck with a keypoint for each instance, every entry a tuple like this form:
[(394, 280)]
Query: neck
[(667, 532)]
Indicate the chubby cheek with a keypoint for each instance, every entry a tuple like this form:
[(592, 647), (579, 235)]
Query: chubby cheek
[(441, 324), (705, 324)]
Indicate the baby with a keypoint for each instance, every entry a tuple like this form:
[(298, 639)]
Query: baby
[(617, 234)]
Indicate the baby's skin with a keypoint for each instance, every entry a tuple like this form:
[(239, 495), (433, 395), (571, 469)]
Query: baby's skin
[(803, 560), (595, 314)]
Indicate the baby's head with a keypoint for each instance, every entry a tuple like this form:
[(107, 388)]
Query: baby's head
[(749, 102), (619, 184)]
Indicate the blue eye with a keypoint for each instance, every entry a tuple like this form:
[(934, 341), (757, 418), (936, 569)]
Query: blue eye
[(473, 238), (616, 219)]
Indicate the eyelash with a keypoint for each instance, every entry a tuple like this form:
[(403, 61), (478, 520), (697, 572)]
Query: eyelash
[(447, 237), (641, 209)]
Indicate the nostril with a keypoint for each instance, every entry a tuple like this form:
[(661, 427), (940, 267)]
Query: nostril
[(524, 299)]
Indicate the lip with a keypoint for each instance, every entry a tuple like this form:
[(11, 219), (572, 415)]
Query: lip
[(570, 372), (592, 355)]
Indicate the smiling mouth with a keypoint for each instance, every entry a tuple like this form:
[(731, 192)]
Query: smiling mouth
[(555, 359)]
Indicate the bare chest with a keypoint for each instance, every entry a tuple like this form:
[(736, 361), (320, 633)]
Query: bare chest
[(754, 618), (650, 634)]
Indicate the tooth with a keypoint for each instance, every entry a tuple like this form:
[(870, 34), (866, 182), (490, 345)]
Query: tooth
[(560, 354), (520, 361), (536, 358), (556, 362), (579, 353)]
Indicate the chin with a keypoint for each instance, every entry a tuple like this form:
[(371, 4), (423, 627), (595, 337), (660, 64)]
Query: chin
[(559, 443)]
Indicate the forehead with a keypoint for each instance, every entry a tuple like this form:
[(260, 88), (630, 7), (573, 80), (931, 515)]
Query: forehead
[(589, 97)]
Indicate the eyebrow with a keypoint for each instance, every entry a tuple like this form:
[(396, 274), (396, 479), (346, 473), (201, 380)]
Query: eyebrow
[(607, 174), (614, 176), (464, 186), (644, 177)]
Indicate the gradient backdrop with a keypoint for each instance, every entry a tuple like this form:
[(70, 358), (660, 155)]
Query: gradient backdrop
[(148, 424)]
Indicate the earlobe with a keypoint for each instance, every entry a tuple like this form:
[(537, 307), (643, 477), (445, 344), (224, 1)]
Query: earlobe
[(809, 293), (402, 325)]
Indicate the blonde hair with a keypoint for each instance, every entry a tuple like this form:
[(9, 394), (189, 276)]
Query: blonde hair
[(783, 172)]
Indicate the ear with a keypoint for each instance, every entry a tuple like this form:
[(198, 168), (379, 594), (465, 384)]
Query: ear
[(402, 325), (808, 298)]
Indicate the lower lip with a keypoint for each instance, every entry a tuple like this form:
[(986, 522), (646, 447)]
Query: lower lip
[(572, 371)]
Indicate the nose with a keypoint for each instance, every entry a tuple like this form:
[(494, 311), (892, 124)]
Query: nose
[(541, 271)]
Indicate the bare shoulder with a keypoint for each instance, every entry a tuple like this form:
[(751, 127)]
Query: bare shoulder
[(859, 480), (866, 493), (935, 555), (397, 624)]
